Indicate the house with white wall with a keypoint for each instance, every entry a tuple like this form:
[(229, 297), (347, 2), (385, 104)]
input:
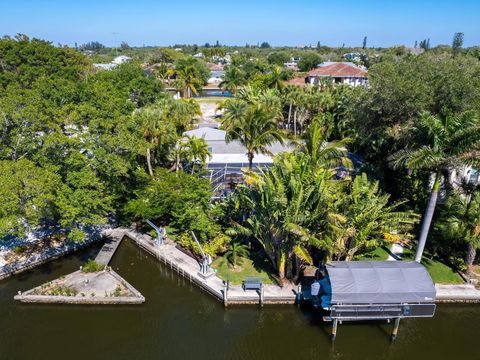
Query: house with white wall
[(339, 73)]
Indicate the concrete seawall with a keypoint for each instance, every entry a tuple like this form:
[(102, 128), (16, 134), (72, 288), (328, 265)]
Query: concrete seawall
[(54, 253), (189, 268)]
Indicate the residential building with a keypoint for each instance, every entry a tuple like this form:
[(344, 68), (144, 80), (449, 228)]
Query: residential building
[(339, 73)]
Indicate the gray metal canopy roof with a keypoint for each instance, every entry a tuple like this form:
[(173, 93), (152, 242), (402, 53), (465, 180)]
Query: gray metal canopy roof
[(380, 282)]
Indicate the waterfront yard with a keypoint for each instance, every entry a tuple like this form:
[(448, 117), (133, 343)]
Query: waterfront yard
[(440, 272), (257, 265)]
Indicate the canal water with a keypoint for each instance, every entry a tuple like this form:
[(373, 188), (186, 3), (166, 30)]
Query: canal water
[(180, 321)]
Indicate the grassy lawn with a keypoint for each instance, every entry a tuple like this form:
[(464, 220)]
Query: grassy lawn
[(256, 265), (440, 272), (379, 254)]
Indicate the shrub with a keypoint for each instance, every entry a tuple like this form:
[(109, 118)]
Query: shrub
[(92, 266), (76, 235), (60, 290), (20, 249)]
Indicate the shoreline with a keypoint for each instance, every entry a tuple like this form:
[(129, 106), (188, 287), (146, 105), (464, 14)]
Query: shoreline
[(186, 266)]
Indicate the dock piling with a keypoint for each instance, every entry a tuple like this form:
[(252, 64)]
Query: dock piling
[(396, 325), (334, 329)]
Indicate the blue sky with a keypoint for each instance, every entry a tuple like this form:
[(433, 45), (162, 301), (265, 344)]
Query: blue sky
[(294, 22)]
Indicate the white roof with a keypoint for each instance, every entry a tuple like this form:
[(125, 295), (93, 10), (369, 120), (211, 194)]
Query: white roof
[(121, 59), (105, 66), (238, 159), (209, 134)]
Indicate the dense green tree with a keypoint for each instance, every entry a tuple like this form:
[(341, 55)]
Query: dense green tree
[(278, 58), (193, 72), (309, 61), (280, 209), (459, 221), (457, 43), (442, 145), (28, 195)]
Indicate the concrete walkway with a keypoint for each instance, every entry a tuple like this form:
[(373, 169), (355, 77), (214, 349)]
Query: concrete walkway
[(189, 268), (114, 238), (457, 293)]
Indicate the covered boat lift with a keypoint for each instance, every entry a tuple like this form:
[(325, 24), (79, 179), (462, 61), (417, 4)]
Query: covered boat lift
[(375, 290)]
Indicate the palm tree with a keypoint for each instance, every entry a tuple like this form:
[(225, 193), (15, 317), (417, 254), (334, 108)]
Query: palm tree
[(460, 219), (235, 110), (362, 219), (256, 130), (329, 154), (188, 71), (290, 97), (281, 208), (164, 71), (196, 151), (233, 79), (274, 79), (443, 144), (154, 129), (236, 251)]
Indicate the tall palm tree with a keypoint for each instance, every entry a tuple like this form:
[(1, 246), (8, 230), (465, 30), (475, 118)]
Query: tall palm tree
[(443, 144), (233, 79), (290, 95), (460, 219), (155, 130), (196, 151), (256, 130), (161, 124)]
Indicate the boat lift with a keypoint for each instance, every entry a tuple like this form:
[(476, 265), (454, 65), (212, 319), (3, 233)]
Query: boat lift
[(161, 233), (205, 269)]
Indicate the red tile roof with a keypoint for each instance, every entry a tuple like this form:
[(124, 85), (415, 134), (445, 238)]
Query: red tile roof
[(339, 70), (214, 67), (300, 81)]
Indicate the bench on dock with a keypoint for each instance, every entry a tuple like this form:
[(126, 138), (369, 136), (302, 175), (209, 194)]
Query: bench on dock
[(252, 283)]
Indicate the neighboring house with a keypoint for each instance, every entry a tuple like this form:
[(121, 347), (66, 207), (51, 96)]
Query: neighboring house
[(105, 66), (339, 73), (115, 62), (232, 155), (216, 73), (300, 81), (353, 56), (292, 64), (216, 77), (121, 59), (224, 167)]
